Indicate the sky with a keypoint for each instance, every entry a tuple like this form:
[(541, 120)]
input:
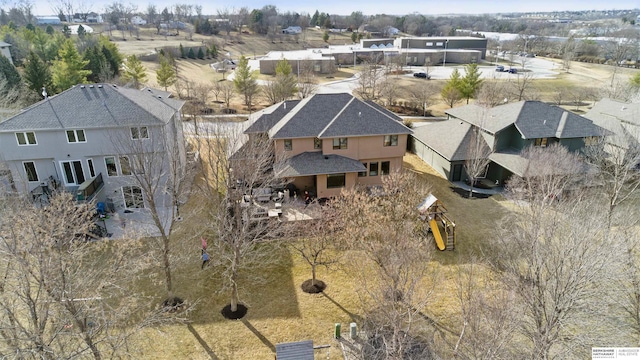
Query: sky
[(370, 7)]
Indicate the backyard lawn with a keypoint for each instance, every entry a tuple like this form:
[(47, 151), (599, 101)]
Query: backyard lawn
[(279, 311)]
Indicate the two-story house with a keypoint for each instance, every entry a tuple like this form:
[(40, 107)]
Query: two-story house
[(332, 142), (89, 139), (506, 130)]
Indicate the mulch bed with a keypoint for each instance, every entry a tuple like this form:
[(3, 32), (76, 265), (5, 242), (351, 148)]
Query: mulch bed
[(316, 288), (234, 315)]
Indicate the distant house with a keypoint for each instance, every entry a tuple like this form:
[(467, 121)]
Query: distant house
[(332, 142), (74, 29), (48, 20), (292, 30), (507, 130), (137, 20), (621, 119)]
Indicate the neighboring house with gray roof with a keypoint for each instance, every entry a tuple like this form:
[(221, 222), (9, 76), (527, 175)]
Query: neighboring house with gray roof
[(505, 129), (621, 119), (87, 140), (332, 141)]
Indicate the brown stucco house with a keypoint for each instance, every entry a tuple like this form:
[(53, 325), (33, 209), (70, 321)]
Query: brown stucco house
[(332, 142)]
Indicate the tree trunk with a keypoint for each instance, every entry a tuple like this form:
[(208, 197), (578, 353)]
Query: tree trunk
[(167, 266), (471, 188), (313, 274), (234, 283)]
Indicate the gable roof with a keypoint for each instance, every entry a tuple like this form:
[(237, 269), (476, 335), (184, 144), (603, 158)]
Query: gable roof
[(449, 138), (95, 106), (533, 119), (336, 115)]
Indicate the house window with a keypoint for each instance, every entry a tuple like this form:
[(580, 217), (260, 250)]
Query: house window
[(373, 169), (339, 143), (363, 173), (138, 133), (132, 197), (391, 140), (541, 142), (429, 43), (125, 165), (288, 144), (439, 44), (30, 169), (317, 143), (591, 140), (335, 181), (92, 170), (26, 138), (384, 167), (76, 136), (110, 162)]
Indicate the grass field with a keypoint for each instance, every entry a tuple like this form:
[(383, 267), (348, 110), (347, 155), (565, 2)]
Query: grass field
[(278, 309)]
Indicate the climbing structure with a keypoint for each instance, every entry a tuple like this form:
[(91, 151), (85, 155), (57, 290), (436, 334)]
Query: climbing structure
[(442, 227)]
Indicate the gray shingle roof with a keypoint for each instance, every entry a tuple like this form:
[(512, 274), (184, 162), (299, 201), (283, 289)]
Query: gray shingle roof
[(620, 118), (533, 119), (336, 115), (314, 163), (94, 106), (449, 138), (267, 120)]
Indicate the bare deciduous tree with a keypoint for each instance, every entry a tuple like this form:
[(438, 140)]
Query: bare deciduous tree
[(493, 93), (390, 268), (521, 84), (370, 79), (233, 166), (422, 94), (477, 155)]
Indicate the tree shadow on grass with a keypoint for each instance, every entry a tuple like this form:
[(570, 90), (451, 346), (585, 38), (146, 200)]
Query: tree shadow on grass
[(354, 317), (259, 335), (203, 343), (465, 193)]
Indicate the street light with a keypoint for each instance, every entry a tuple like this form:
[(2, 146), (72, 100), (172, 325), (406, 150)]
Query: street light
[(444, 60)]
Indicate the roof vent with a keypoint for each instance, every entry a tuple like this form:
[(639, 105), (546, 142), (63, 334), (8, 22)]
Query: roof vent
[(81, 86), (100, 86), (624, 108), (359, 113), (91, 86), (285, 105), (326, 157)]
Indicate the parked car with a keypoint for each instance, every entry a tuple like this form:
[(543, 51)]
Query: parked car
[(499, 68), (422, 75), (513, 71)]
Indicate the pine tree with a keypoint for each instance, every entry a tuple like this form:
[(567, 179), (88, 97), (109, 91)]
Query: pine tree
[(200, 53), (450, 91), (97, 63), (111, 53), (191, 54), (9, 73), (134, 72), (285, 80), (245, 81), (37, 74), (182, 54), (470, 83), (69, 68), (165, 75)]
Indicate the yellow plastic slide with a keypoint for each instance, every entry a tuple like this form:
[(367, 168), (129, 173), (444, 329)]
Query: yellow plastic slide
[(436, 234)]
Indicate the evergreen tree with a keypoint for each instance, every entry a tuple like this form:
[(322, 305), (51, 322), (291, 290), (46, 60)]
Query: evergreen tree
[(9, 73), (81, 32), (30, 27), (37, 74), (111, 53), (325, 36), (66, 31), (314, 18), (165, 75), (450, 91), (213, 51), (245, 82), (191, 54), (471, 82), (285, 80), (182, 53), (134, 72), (69, 68), (50, 30), (97, 64), (200, 53)]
